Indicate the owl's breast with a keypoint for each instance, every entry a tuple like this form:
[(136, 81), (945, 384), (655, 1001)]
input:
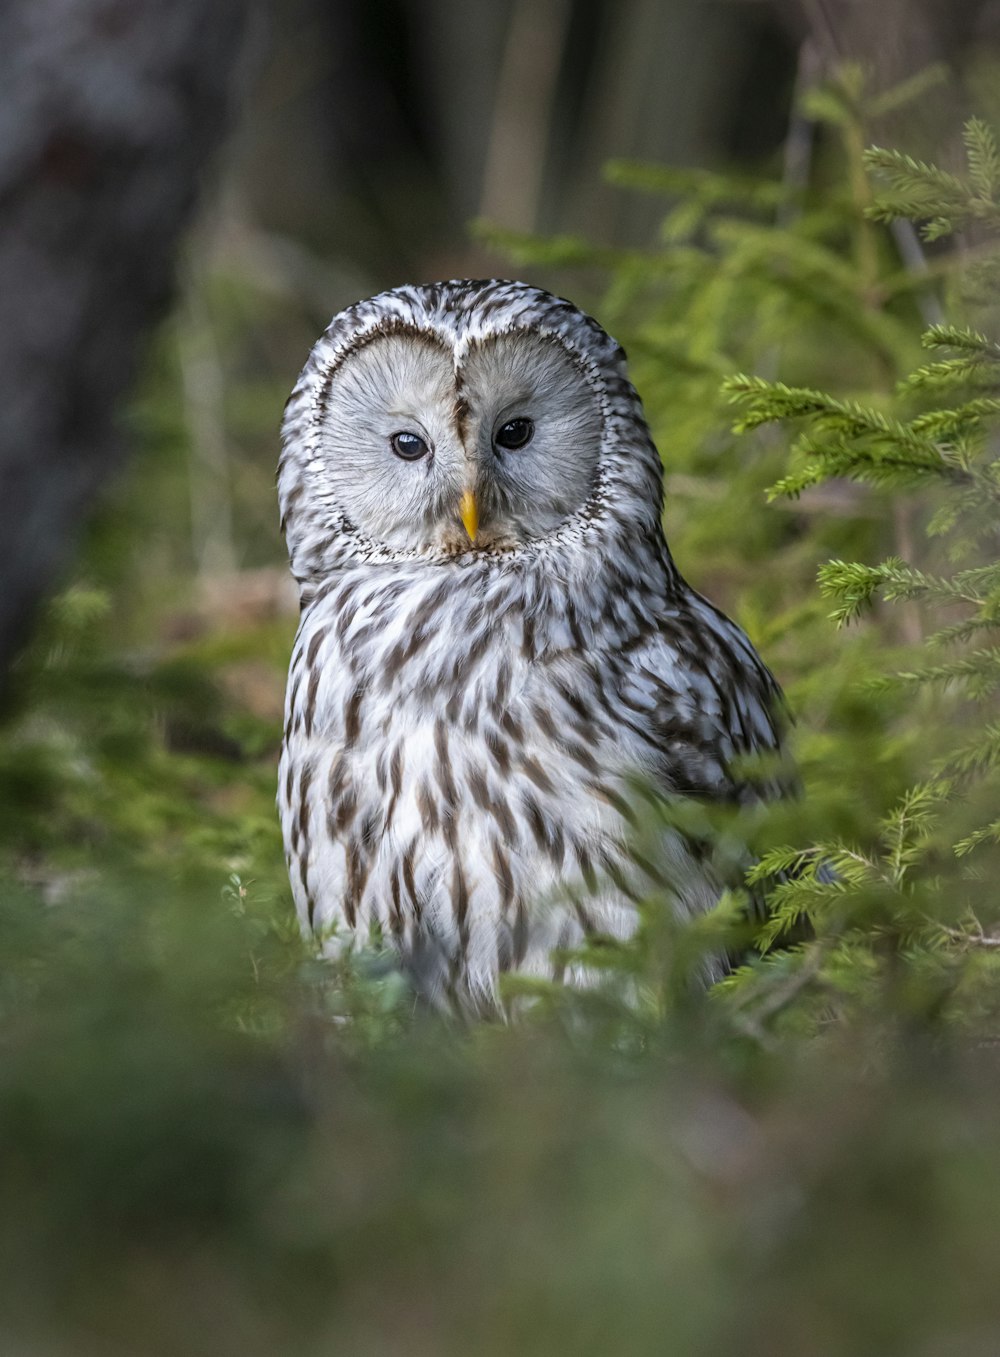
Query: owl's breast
[(458, 796)]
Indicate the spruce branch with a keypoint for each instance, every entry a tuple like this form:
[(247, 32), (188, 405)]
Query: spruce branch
[(855, 586), (975, 757), (972, 936), (958, 633), (908, 826), (786, 860), (978, 673), (962, 338), (908, 91), (983, 157), (932, 188), (989, 833), (951, 372), (709, 189), (940, 199)]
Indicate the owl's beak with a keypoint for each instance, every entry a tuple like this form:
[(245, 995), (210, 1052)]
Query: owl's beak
[(468, 512)]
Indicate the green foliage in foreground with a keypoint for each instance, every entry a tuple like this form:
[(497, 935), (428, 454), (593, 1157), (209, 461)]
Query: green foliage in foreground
[(198, 1159), (210, 1143)]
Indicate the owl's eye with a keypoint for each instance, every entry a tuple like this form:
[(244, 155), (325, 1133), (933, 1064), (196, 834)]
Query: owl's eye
[(514, 434), (410, 446)]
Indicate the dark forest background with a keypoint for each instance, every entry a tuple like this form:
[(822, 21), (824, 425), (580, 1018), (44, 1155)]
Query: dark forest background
[(209, 1141)]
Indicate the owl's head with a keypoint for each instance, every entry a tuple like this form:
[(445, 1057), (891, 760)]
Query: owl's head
[(461, 420)]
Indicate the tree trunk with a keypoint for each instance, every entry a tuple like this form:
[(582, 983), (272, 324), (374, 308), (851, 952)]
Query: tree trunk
[(109, 111)]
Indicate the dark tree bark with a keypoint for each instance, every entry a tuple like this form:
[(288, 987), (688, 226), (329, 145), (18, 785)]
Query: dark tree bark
[(109, 110)]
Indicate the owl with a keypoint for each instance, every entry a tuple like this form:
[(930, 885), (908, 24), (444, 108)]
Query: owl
[(495, 647)]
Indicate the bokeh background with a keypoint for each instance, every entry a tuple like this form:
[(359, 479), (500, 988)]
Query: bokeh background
[(209, 1143)]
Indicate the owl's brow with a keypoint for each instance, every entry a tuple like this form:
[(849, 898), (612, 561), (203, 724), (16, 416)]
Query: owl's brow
[(565, 345), (389, 328)]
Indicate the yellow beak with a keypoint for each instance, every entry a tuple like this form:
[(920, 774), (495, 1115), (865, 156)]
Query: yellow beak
[(468, 512)]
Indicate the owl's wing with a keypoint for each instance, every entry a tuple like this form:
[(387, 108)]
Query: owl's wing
[(705, 704)]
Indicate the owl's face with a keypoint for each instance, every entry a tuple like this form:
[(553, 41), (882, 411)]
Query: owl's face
[(481, 445), (480, 421)]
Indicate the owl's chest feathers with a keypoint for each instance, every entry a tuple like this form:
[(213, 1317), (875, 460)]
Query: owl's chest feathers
[(397, 675), (451, 753), (381, 651)]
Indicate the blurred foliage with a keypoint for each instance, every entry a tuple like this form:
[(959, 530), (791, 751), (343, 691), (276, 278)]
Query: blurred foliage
[(212, 1143)]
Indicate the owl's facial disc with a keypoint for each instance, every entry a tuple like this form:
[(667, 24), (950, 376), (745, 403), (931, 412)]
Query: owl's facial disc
[(488, 453), (534, 430)]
